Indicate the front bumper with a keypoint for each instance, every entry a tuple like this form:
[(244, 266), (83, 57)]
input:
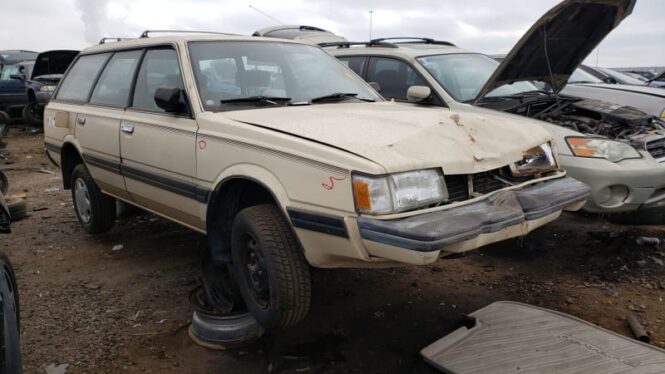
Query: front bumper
[(501, 216), (618, 187)]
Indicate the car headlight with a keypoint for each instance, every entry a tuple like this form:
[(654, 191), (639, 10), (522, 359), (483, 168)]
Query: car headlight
[(536, 160), (46, 88), (398, 192), (610, 150)]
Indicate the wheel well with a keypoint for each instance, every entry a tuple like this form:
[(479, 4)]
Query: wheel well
[(69, 158), (225, 202), (32, 98)]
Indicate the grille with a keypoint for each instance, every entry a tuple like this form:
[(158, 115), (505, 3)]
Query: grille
[(656, 149), (484, 183), (458, 187)]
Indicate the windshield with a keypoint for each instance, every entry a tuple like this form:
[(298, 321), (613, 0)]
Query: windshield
[(622, 77), (581, 76), (462, 75), (230, 74), (18, 55)]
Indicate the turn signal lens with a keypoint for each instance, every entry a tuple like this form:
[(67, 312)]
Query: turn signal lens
[(361, 193)]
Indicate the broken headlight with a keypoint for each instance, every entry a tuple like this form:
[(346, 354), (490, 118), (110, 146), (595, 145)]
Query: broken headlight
[(610, 150), (536, 160), (398, 192)]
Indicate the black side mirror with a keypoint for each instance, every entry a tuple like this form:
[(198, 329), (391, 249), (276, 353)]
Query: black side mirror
[(168, 99), (17, 76)]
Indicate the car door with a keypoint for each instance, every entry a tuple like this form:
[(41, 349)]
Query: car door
[(393, 76), (98, 122), (158, 148)]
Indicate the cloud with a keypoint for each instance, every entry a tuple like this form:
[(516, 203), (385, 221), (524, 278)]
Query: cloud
[(488, 26)]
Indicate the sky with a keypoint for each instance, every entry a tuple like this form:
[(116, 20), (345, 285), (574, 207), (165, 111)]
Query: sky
[(489, 26)]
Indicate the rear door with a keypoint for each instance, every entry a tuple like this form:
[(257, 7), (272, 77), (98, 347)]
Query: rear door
[(159, 149), (98, 122)]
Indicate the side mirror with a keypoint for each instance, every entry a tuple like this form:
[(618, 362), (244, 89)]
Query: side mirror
[(417, 94), (609, 80), (375, 86), (17, 76), (168, 99)]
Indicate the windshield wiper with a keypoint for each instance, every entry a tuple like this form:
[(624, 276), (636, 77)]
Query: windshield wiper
[(340, 95), (257, 99)]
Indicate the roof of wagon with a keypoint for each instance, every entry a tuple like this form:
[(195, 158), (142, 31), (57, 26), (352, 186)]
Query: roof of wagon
[(175, 39)]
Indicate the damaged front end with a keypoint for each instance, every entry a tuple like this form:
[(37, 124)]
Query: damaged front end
[(598, 118)]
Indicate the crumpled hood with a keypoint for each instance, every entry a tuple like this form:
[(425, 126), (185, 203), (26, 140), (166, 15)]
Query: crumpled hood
[(404, 137), (566, 34)]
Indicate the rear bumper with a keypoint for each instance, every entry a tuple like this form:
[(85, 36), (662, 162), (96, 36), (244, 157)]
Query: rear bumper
[(501, 216)]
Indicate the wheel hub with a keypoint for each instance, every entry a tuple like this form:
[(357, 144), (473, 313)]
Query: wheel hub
[(256, 274), (82, 200)]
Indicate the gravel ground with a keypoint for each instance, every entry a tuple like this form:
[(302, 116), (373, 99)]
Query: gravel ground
[(102, 310)]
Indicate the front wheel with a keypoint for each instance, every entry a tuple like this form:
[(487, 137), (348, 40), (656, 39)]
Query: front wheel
[(32, 115), (94, 210), (270, 268)]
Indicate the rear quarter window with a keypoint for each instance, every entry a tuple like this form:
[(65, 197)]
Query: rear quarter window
[(77, 84)]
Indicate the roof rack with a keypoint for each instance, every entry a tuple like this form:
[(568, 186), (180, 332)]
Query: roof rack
[(371, 43), (146, 33), (411, 39), (106, 40)]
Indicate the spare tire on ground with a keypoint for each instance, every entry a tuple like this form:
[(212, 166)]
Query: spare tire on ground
[(18, 209), (220, 331)]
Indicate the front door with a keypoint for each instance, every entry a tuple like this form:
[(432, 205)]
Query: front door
[(158, 148)]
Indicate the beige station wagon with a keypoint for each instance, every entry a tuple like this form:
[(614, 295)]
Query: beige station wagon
[(285, 158)]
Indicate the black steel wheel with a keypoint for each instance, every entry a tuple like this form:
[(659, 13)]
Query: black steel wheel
[(270, 267)]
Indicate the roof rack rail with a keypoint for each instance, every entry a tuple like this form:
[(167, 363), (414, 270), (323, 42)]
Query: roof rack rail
[(146, 33), (411, 39), (112, 39), (371, 43)]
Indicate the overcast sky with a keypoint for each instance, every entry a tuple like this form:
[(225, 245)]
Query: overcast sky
[(488, 26)]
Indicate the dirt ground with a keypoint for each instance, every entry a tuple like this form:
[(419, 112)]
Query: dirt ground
[(102, 310)]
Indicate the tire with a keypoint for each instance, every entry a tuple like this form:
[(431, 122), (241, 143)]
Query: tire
[(229, 331), (31, 115), (219, 286), (270, 268), (10, 326), (94, 210), (4, 183), (652, 215), (18, 209)]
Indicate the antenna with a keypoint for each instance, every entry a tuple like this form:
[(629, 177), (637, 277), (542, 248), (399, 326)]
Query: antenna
[(266, 14), (371, 12)]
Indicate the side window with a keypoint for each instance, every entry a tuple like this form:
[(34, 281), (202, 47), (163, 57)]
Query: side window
[(393, 76), (160, 69), (77, 84), (356, 63), (115, 82)]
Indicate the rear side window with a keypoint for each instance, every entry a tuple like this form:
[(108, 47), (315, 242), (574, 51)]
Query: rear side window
[(77, 84), (160, 69), (356, 64), (115, 82)]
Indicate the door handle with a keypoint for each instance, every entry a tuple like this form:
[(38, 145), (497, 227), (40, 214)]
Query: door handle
[(81, 121), (127, 128)]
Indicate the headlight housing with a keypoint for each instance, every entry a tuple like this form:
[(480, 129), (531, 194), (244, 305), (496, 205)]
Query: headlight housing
[(46, 88), (536, 160), (610, 150), (398, 192)]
